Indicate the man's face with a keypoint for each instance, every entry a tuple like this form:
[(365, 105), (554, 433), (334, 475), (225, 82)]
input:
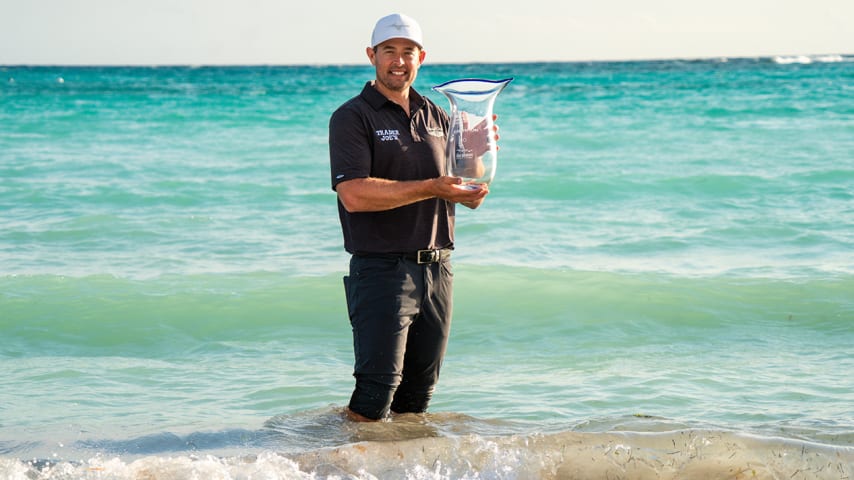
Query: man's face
[(397, 61)]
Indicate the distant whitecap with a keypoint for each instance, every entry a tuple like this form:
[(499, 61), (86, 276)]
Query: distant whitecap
[(807, 59), (788, 60), (829, 58)]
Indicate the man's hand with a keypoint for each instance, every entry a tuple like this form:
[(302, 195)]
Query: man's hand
[(452, 189), (476, 139)]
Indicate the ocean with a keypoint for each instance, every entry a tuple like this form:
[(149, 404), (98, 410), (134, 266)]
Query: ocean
[(660, 283)]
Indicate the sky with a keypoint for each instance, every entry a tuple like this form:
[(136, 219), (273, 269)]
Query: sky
[(324, 32)]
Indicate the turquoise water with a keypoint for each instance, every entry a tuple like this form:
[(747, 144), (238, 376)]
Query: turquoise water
[(660, 284)]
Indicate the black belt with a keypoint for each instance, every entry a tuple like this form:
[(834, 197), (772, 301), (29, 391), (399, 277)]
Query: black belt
[(420, 257)]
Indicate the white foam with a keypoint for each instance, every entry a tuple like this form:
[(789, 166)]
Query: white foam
[(807, 59), (683, 454)]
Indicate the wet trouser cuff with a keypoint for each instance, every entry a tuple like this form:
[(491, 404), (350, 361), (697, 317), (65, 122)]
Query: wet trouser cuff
[(372, 399)]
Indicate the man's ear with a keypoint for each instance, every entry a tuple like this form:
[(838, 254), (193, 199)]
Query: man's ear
[(370, 52)]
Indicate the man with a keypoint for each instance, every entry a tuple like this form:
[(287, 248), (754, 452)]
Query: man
[(396, 207)]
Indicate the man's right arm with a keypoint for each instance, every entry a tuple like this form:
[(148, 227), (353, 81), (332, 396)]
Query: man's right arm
[(378, 194)]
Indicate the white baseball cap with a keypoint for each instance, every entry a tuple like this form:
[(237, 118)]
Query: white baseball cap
[(396, 25)]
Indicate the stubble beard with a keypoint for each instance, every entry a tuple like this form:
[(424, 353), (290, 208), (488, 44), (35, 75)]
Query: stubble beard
[(396, 83)]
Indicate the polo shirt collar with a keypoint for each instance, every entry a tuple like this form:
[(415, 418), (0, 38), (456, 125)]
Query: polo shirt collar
[(376, 99)]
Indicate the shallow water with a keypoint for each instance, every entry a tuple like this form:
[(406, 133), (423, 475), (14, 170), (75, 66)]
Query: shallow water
[(659, 283)]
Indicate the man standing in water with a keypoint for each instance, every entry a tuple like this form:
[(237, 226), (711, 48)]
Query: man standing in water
[(396, 207)]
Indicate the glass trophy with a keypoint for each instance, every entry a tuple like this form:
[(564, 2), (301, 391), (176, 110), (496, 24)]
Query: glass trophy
[(471, 151)]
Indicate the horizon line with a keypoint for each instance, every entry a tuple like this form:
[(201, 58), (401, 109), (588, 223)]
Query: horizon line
[(817, 57)]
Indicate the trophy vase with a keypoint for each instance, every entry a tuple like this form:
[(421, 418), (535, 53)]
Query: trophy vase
[(471, 152)]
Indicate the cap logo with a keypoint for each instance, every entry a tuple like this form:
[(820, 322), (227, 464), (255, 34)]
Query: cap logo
[(396, 26)]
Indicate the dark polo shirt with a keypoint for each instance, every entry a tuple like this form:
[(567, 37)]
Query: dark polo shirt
[(371, 136)]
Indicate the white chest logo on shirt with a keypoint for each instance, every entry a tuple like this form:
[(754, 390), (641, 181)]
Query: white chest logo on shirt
[(388, 135), (435, 132)]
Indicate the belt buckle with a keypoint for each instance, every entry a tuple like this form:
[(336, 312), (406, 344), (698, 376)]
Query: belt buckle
[(428, 256)]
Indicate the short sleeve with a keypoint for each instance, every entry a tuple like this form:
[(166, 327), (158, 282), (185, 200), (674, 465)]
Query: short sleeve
[(349, 146)]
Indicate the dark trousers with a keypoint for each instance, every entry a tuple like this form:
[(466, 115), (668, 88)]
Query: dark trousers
[(400, 312)]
